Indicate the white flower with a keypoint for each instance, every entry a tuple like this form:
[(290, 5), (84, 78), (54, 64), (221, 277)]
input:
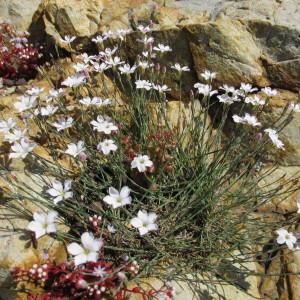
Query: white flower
[(54, 94), (226, 99), (144, 222), (63, 123), (180, 69), (7, 125), (14, 136), (205, 89), (247, 119), (79, 67), (102, 125), (25, 103), (148, 54), (99, 39), (121, 33), (88, 251), (107, 34), (75, 80), (247, 88), (60, 190), (208, 75), (114, 61), (111, 228), (144, 29), (255, 100), (48, 110), (274, 138), (68, 39), (141, 162), (269, 92), (161, 88), (34, 91), (228, 89), (100, 67), (100, 272), (88, 58), (91, 101), (145, 64), (107, 146), (147, 40), (118, 199), (295, 107), (75, 149), (21, 148), (108, 52), (285, 237), (298, 206), (43, 223), (126, 69), (162, 48), (143, 84)]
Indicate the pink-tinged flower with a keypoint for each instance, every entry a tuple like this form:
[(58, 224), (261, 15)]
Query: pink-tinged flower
[(79, 67), (144, 29), (108, 52), (117, 199), (208, 75), (100, 68), (144, 222), (43, 223), (75, 149), (141, 162), (60, 190), (285, 237), (21, 149), (88, 251), (274, 138), (247, 119), (107, 146)]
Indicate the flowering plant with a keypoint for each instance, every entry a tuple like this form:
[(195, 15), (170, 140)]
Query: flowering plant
[(18, 58), (144, 195)]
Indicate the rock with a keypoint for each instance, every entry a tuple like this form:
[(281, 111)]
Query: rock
[(19, 13), (281, 176)]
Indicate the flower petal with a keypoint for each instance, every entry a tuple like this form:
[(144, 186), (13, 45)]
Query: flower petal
[(75, 249)]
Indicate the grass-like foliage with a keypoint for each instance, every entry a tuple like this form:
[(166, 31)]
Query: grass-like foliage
[(189, 173)]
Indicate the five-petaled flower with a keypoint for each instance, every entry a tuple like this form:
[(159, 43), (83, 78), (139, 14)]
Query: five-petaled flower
[(144, 222), (118, 199), (60, 190), (285, 237), (274, 138), (107, 146), (76, 149), (21, 148), (141, 162), (43, 223), (88, 251)]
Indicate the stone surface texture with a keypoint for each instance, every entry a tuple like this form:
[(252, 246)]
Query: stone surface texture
[(243, 41)]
